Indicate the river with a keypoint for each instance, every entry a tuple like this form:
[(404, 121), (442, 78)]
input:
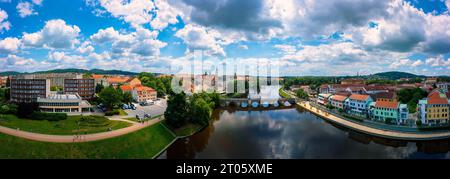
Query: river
[(291, 134)]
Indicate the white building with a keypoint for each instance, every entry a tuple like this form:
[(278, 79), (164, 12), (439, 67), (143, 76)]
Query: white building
[(64, 103)]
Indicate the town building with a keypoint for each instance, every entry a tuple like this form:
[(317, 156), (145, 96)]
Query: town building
[(100, 80), (139, 92), (358, 104), (115, 81), (28, 90), (144, 94), (389, 96), (389, 110), (84, 87), (374, 89), (3, 81), (56, 79), (64, 103), (338, 101), (353, 81), (431, 80), (323, 99), (445, 86), (435, 108)]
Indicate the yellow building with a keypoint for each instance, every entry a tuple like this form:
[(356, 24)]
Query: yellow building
[(434, 109)]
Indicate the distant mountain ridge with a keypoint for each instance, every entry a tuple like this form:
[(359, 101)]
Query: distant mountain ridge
[(75, 70), (395, 75)]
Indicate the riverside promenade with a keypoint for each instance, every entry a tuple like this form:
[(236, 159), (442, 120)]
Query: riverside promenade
[(390, 134), (79, 138)]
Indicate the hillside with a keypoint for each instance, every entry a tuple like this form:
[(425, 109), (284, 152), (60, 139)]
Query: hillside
[(395, 75)]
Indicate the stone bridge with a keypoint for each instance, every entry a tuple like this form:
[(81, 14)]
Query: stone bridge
[(238, 101)]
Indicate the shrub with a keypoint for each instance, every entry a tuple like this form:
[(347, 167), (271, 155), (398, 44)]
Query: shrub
[(94, 121), (113, 112), (36, 115), (8, 109)]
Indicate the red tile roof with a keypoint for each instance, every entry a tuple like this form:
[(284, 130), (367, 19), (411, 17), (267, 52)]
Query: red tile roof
[(97, 76), (126, 88), (386, 104), (436, 97), (143, 88), (117, 79), (339, 97), (360, 97)]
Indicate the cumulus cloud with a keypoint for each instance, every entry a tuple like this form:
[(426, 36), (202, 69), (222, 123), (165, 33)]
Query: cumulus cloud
[(200, 38), (438, 62), (159, 14), (37, 2), (55, 34), (288, 49), (4, 24), (142, 41), (9, 45), (25, 9)]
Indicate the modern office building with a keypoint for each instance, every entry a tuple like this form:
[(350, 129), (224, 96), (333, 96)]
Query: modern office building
[(84, 87), (65, 103), (56, 79), (28, 90)]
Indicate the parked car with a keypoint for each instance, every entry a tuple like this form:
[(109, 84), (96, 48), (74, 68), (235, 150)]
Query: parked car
[(143, 103), (133, 107)]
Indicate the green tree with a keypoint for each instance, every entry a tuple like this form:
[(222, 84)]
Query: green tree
[(110, 97), (200, 111), (99, 88), (127, 97), (177, 110), (300, 93)]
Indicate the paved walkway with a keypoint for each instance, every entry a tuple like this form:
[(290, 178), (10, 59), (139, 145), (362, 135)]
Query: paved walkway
[(374, 131), (79, 138)]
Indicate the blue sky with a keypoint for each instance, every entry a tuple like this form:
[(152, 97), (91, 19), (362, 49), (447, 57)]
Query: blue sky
[(329, 37)]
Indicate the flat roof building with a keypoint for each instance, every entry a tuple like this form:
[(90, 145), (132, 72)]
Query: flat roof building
[(28, 90), (65, 103), (84, 87)]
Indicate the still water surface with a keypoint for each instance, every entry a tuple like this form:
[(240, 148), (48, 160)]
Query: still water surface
[(292, 133)]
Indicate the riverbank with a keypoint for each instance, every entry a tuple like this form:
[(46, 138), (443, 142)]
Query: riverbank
[(145, 143), (390, 134)]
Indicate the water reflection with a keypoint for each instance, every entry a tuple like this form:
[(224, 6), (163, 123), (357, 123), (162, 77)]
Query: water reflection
[(292, 133)]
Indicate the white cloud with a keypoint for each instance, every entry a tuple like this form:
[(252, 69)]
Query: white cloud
[(200, 38), (37, 2), (417, 63), (288, 49), (55, 34), (85, 48), (25, 9), (438, 62), (4, 24), (9, 45), (243, 47), (142, 41)]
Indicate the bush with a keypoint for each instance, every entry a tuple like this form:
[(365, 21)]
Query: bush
[(94, 121), (8, 109), (418, 122), (112, 113), (36, 115)]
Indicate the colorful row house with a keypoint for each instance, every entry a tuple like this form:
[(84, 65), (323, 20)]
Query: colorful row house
[(388, 111), (358, 105), (435, 108)]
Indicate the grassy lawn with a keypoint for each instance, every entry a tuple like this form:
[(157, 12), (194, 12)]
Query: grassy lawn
[(283, 94), (122, 112), (135, 120), (64, 127), (144, 143)]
